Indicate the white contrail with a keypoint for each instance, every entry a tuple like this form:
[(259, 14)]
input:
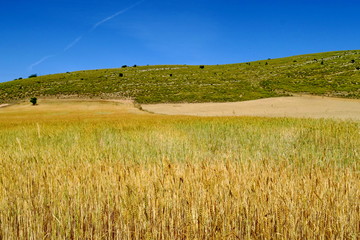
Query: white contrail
[(73, 43), (114, 15), (40, 61), (96, 25), (77, 40)]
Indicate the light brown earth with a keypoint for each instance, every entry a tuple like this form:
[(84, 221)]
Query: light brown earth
[(299, 106), (3, 105), (70, 108)]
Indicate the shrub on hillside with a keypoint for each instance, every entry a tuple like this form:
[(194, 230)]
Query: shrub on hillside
[(33, 100)]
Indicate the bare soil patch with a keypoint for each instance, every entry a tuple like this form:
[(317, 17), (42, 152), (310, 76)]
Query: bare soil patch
[(4, 105), (299, 106), (50, 106)]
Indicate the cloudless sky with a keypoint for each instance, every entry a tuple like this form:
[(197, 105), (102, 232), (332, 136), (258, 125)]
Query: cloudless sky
[(54, 36)]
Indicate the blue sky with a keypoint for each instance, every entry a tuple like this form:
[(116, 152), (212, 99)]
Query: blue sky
[(54, 36)]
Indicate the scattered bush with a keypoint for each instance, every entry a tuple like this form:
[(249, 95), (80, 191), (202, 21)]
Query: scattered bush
[(33, 75), (121, 74), (352, 61), (33, 100), (202, 66), (124, 66)]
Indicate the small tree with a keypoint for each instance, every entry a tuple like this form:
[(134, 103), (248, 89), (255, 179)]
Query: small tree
[(33, 101)]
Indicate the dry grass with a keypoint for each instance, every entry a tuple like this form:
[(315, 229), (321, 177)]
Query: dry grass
[(85, 174), (300, 107)]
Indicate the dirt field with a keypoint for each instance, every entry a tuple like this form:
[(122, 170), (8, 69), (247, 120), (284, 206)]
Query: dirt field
[(300, 106)]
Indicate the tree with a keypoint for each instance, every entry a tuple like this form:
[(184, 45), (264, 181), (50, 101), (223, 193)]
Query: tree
[(33, 101)]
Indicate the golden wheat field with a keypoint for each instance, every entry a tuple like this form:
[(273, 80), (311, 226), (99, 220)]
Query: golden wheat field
[(105, 170)]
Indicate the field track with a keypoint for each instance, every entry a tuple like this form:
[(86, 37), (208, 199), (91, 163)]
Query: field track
[(299, 106)]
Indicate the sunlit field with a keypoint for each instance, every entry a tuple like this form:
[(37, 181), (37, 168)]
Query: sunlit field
[(105, 170)]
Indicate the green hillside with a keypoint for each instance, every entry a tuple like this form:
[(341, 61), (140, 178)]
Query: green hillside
[(329, 74)]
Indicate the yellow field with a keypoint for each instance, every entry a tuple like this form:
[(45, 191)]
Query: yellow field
[(105, 170)]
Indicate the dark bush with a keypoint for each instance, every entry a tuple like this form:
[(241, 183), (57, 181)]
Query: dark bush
[(124, 66), (33, 75), (33, 100), (121, 74), (202, 66)]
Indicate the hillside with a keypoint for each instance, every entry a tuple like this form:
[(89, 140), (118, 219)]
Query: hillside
[(334, 74)]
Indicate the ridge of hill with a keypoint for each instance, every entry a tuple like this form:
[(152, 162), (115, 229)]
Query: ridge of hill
[(335, 74)]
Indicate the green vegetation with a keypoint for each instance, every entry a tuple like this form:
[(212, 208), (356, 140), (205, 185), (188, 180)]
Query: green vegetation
[(329, 74), (88, 170)]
